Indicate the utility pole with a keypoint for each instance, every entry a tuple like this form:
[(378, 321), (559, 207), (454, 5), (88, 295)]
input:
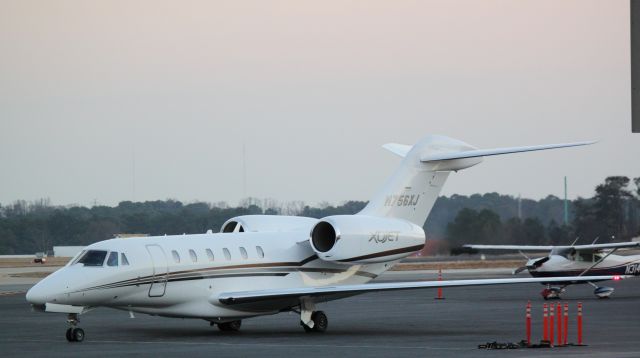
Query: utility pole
[(519, 207), (133, 173), (566, 204), (244, 171), (634, 11)]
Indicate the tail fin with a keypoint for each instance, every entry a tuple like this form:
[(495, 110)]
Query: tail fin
[(413, 189)]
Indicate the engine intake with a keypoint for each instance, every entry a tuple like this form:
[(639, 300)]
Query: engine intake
[(323, 236)]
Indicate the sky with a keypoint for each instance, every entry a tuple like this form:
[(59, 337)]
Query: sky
[(105, 101)]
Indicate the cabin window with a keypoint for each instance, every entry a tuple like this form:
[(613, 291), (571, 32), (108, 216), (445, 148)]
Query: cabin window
[(243, 252), (93, 258), (123, 259), (209, 254), (113, 259), (585, 256), (260, 252), (193, 255), (227, 254), (230, 227), (176, 256)]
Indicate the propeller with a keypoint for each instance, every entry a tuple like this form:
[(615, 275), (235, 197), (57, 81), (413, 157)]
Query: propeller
[(531, 264)]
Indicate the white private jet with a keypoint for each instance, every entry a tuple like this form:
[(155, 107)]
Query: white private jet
[(575, 261), (262, 265)]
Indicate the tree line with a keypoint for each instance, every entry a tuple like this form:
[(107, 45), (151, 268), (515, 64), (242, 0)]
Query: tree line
[(611, 214)]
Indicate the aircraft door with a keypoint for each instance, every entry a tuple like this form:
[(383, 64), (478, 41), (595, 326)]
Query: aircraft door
[(160, 271)]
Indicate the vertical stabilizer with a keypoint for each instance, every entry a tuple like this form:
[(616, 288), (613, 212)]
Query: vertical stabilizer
[(413, 189)]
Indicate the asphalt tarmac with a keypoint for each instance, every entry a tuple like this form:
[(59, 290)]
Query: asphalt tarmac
[(390, 324)]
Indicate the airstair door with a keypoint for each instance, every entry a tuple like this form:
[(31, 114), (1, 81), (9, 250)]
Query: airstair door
[(160, 271)]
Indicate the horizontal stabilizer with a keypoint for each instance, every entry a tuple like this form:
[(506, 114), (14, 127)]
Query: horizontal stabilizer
[(496, 151), (400, 150)]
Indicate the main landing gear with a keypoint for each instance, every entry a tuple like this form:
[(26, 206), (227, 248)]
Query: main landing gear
[(310, 319), (232, 326), (552, 293), (74, 334), (320, 322)]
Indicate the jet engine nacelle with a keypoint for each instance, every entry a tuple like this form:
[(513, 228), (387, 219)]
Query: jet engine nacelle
[(365, 239)]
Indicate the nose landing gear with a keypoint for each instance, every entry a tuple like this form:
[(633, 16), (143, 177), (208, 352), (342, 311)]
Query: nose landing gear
[(74, 334)]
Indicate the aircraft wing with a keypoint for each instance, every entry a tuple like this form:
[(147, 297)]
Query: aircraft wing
[(293, 294), (592, 247), (510, 247)]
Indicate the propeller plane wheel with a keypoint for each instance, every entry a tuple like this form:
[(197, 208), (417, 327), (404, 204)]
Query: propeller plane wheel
[(320, 322), (552, 293), (233, 326), (603, 292)]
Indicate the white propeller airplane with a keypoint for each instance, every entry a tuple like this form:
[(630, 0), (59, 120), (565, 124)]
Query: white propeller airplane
[(262, 265), (576, 261)]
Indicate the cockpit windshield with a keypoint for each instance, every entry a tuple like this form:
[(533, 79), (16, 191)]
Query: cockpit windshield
[(93, 258)]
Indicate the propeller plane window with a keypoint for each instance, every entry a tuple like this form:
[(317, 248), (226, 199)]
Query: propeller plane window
[(113, 259)]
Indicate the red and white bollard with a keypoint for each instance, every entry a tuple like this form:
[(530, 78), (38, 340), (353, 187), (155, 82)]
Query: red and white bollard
[(440, 296), (579, 323), (552, 308), (528, 323), (566, 323), (559, 315), (545, 328)]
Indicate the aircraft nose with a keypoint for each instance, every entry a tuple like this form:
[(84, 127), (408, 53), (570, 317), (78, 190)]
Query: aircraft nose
[(36, 295)]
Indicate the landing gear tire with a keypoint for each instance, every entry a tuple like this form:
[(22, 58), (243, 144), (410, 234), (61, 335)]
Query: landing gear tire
[(78, 334), (75, 335), (320, 322), (233, 326), (552, 293)]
